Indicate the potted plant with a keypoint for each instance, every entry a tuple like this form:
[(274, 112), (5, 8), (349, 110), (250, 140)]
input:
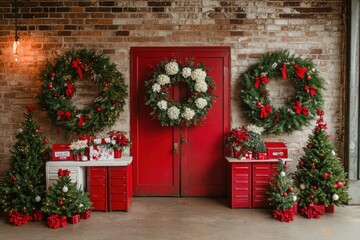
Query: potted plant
[(78, 148), (236, 139), (118, 141), (255, 143)]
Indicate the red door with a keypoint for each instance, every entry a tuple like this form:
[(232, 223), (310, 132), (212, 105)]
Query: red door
[(197, 168)]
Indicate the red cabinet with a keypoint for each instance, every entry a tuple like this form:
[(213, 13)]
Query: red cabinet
[(249, 181), (110, 188)]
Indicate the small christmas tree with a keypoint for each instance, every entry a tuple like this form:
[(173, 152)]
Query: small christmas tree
[(320, 174), (64, 200), (282, 195), (24, 185)]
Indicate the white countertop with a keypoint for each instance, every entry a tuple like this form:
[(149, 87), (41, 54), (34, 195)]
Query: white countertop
[(123, 161), (236, 160)]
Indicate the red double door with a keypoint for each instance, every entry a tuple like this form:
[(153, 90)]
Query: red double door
[(179, 161)]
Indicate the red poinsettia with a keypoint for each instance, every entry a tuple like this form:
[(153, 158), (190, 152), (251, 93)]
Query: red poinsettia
[(237, 137), (55, 221), (38, 216), (286, 215), (121, 141), (18, 219)]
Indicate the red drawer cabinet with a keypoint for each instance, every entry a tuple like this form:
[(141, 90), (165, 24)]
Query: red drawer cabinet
[(249, 181), (110, 188)]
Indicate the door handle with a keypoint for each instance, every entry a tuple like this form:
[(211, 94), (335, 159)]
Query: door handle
[(176, 148), (183, 141)]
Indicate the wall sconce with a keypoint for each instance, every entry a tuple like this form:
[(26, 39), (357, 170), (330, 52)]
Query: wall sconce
[(16, 39)]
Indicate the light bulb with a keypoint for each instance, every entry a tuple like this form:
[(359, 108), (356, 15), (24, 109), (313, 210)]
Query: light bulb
[(15, 49)]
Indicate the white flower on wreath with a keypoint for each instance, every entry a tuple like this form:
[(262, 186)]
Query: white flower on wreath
[(173, 113), (162, 104), (198, 75), (188, 114), (186, 72), (200, 103), (171, 68), (156, 87), (201, 86), (163, 79), (255, 129)]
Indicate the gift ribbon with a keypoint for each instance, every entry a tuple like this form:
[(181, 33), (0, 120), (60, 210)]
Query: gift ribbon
[(283, 71)]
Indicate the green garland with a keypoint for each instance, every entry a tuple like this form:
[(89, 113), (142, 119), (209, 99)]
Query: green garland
[(193, 109), (58, 89), (299, 110)]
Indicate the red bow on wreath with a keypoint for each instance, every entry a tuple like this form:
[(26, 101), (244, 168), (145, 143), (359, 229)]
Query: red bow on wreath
[(261, 80), (300, 71), (82, 119), (311, 89), (30, 109), (300, 109), (283, 71), (79, 66), (63, 115), (55, 221), (64, 172), (265, 110), (69, 92)]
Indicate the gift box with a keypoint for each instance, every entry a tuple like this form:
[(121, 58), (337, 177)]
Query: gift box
[(74, 219), (276, 150), (261, 155), (320, 208), (61, 152), (330, 208), (248, 155), (100, 153), (85, 215), (296, 209)]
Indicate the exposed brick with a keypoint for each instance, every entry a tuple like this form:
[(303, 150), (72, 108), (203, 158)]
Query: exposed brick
[(313, 10), (158, 9), (116, 9), (51, 4), (106, 3), (302, 16), (159, 4), (122, 33), (62, 9), (44, 27), (64, 33)]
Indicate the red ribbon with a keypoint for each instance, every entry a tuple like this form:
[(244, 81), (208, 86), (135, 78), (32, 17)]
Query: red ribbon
[(265, 110), (79, 66), (312, 90), (69, 92), (64, 172), (63, 116), (300, 71), (55, 221), (283, 71), (261, 80), (30, 109), (82, 119), (300, 109)]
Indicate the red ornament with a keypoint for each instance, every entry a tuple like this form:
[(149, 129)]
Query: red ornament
[(326, 175), (258, 104), (60, 203), (308, 77), (50, 86), (312, 196), (309, 146), (314, 187), (52, 74), (278, 185), (105, 84), (14, 179), (56, 95), (339, 184), (98, 109), (40, 128), (285, 194), (46, 141), (301, 163), (285, 167), (291, 189), (313, 166)]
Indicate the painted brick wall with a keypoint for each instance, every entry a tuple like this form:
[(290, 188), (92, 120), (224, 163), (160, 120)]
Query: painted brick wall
[(313, 29)]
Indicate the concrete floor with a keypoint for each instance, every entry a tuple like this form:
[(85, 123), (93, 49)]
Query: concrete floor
[(193, 218)]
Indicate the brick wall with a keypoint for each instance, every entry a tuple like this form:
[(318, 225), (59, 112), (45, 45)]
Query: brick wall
[(314, 29)]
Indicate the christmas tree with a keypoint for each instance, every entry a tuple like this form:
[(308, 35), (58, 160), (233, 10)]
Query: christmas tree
[(64, 200), (281, 194), (24, 185), (320, 174)]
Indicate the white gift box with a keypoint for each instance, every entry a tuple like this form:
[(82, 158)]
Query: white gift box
[(100, 153)]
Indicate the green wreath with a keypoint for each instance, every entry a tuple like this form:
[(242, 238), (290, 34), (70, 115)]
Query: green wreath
[(58, 89), (193, 109), (299, 110)]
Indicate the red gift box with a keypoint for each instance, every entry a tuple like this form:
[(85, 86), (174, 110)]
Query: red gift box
[(296, 208), (276, 150), (85, 215), (61, 152), (320, 208), (330, 208), (248, 155), (261, 155), (74, 219)]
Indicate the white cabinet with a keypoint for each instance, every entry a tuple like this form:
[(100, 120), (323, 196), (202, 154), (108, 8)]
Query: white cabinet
[(77, 174)]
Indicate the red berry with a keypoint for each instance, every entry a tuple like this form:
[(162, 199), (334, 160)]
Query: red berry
[(326, 175), (291, 189), (60, 203), (50, 86), (339, 184), (52, 74), (40, 128), (308, 77), (285, 166), (46, 142), (313, 166), (312, 196), (285, 194), (301, 163), (258, 104), (98, 109), (105, 84), (13, 179), (309, 146), (314, 187)]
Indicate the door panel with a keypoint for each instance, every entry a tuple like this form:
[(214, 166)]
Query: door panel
[(156, 167)]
